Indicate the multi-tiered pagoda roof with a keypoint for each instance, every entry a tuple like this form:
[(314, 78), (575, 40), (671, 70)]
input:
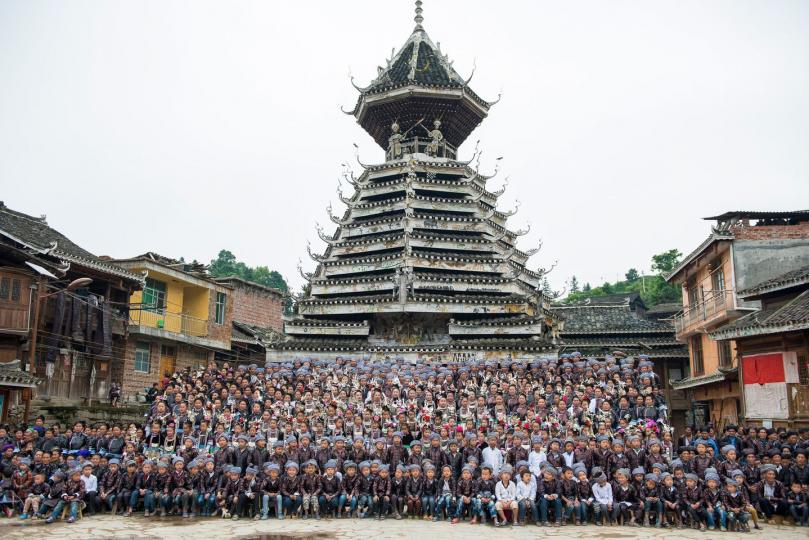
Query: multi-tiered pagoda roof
[(422, 263)]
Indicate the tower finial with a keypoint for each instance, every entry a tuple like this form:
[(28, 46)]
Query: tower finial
[(418, 18)]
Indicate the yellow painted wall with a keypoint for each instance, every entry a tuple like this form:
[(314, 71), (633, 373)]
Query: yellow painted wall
[(196, 302), (181, 298)]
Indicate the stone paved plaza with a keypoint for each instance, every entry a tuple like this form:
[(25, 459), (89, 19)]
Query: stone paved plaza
[(143, 529)]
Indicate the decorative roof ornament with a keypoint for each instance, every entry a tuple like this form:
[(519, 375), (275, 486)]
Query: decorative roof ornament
[(523, 232), (534, 251), (346, 200), (305, 275), (314, 256), (510, 213), (418, 18), (328, 239), (502, 189)]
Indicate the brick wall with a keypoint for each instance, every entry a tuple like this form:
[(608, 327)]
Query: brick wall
[(257, 305), (135, 382), (765, 232), (221, 332)]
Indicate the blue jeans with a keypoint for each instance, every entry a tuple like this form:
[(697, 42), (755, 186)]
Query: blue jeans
[(523, 506), (444, 503), (718, 512), (582, 512), (365, 502), (111, 500), (336, 503), (800, 513), (742, 517), (60, 506), (486, 508), (291, 506), (460, 506), (653, 506), (544, 504), (278, 500), (148, 500), (206, 502), (428, 505), (164, 500)]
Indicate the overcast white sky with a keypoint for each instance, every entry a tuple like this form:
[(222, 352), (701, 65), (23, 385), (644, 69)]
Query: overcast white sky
[(185, 127)]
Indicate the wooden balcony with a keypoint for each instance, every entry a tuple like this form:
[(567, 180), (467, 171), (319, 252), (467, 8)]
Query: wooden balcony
[(715, 308), (161, 319)]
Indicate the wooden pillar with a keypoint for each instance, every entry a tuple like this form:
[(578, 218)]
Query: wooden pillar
[(32, 346)]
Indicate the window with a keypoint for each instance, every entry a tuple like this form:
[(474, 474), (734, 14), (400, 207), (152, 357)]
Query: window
[(803, 369), (718, 276), (143, 360), (167, 350), (693, 295), (221, 302), (5, 287), (16, 290), (696, 355), (725, 353), (154, 295)]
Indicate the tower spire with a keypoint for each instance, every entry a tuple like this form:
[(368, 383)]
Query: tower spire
[(418, 18)]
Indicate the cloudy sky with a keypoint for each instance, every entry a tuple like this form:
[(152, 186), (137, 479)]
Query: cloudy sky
[(185, 127)]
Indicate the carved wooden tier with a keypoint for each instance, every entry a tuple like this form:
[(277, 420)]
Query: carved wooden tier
[(422, 260)]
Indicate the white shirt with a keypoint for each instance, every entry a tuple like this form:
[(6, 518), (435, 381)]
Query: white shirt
[(602, 494), (526, 491), (568, 458), (493, 457), (90, 483), (504, 493), (535, 459)]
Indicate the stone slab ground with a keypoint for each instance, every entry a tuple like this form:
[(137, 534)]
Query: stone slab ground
[(147, 529)]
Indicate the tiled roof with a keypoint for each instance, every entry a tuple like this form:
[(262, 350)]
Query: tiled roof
[(625, 341), (417, 62), (790, 279), (664, 309), (790, 317), (715, 236), (597, 319), (755, 214), (244, 332), (616, 299), (692, 382), (12, 375), (35, 233)]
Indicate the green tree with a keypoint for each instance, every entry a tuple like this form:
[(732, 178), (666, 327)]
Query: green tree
[(574, 285), (664, 263), (587, 288), (226, 265), (632, 274)]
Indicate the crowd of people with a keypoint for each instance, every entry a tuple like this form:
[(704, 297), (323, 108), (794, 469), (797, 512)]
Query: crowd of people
[(552, 442)]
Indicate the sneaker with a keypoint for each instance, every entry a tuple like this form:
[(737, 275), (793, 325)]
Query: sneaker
[(23, 516), (71, 519), (49, 520)]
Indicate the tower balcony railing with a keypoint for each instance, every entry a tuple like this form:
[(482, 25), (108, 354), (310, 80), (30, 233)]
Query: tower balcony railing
[(420, 145), (710, 310)]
